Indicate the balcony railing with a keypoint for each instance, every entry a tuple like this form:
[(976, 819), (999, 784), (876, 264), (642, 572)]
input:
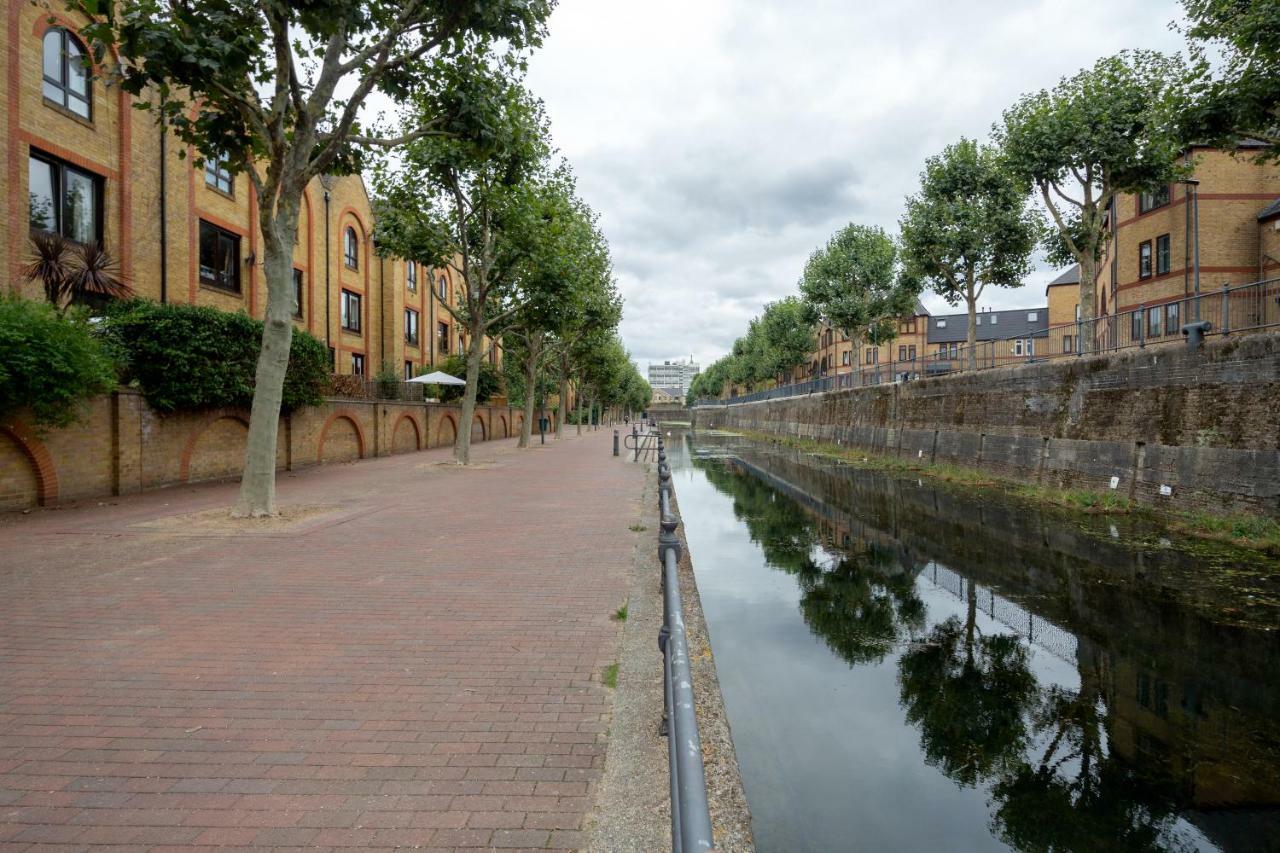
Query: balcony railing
[(1231, 310)]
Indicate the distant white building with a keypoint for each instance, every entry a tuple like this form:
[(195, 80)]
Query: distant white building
[(673, 374)]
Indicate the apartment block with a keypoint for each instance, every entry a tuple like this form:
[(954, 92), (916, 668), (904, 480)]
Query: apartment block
[(81, 161)]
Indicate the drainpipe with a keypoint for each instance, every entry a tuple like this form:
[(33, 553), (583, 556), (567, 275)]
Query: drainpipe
[(328, 310), (382, 298), (164, 218)]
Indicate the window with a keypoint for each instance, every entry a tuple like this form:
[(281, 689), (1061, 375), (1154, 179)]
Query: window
[(351, 311), (357, 364), (1172, 322), (942, 350), (1162, 254), (411, 276), (873, 355), (297, 293), (1154, 316), (442, 336), (351, 249), (408, 370), (217, 174), (955, 351), (219, 258), (66, 75), (845, 358), (410, 326), (995, 318), (1017, 346), (1149, 201), (902, 352), (1135, 326), (911, 352), (443, 289), (977, 320), (942, 324), (1031, 316), (1144, 259), (1066, 344), (64, 200)]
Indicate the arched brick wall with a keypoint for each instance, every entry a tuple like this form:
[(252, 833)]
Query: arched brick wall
[(343, 430), (480, 434), (215, 447), (446, 430), (26, 469), (503, 431), (406, 435)]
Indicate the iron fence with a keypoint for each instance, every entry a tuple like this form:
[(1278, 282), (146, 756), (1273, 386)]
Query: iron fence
[(690, 814), (1244, 308)]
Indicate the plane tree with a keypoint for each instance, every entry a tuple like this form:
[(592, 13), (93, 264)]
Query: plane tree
[(277, 90)]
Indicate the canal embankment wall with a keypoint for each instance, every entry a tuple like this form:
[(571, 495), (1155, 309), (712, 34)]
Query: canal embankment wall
[(1180, 429)]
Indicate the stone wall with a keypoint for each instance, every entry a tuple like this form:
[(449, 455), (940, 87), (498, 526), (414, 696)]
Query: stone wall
[(122, 446), (1203, 426)]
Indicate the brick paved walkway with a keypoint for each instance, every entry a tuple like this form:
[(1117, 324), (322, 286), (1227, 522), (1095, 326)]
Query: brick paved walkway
[(419, 667)]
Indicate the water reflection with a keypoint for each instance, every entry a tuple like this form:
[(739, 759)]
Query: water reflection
[(1098, 693)]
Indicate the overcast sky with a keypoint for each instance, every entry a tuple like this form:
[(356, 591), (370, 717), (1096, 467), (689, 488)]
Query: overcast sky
[(721, 141)]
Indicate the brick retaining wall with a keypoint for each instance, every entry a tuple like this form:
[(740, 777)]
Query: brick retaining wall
[(1205, 424), (122, 446)]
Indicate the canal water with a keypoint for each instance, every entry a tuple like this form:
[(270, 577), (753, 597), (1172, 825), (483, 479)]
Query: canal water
[(909, 668)]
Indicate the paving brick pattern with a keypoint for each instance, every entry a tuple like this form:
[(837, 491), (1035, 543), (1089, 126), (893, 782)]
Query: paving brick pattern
[(418, 668)]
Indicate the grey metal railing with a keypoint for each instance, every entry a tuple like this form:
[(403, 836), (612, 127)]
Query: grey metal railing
[(690, 814), (641, 444), (1230, 310)]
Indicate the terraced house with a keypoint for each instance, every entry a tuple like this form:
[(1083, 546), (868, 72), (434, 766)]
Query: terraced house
[(81, 161)]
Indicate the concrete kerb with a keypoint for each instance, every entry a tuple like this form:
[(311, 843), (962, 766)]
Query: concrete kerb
[(633, 809)]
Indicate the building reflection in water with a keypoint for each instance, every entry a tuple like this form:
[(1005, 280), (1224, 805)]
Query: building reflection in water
[(1161, 731)]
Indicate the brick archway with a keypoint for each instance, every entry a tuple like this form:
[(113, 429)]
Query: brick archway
[(38, 457), (189, 448), (506, 430), (413, 424), (341, 415), (452, 435), (484, 428)]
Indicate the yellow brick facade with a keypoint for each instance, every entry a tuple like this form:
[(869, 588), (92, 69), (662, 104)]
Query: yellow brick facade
[(146, 176)]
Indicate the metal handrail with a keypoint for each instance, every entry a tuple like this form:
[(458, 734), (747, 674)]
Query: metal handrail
[(690, 814), (1243, 308)]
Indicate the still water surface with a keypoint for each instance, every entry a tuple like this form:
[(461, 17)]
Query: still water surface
[(910, 668)]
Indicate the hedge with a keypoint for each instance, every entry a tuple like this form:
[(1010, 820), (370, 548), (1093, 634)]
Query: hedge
[(191, 358), (50, 363)]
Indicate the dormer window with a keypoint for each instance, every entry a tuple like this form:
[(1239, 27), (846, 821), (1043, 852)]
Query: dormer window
[(66, 75), (942, 324), (1031, 316), (351, 249)]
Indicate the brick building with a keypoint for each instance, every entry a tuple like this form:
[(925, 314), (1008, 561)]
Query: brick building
[(1152, 259), (81, 161)]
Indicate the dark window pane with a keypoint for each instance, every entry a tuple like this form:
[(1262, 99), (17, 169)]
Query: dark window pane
[(80, 205), (297, 293)]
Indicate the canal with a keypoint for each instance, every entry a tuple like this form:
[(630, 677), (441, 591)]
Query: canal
[(909, 667)]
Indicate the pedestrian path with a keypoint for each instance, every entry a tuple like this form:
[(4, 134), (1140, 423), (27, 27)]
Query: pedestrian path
[(414, 660)]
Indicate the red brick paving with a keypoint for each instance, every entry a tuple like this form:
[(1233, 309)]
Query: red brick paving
[(419, 668)]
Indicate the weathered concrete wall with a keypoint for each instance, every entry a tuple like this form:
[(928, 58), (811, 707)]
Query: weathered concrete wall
[(121, 446), (1206, 424)]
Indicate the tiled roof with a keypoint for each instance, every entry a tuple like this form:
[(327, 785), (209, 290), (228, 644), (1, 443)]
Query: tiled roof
[(992, 325), (1071, 276), (1269, 211)]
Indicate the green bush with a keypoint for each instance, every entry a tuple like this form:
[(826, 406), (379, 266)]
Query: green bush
[(489, 384), (388, 382), (49, 363), (190, 358)]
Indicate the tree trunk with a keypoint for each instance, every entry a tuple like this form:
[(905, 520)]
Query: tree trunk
[(971, 620), (564, 396), (258, 482), (530, 380), (1088, 288), (462, 445), (579, 417), (972, 336)]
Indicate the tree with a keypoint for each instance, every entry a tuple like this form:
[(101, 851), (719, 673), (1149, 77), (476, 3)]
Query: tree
[(788, 335), (583, 330), (279, 88), (1109, 129), (470, 200), (488, 380), (857, 285), (968, 228), (1243, 101)]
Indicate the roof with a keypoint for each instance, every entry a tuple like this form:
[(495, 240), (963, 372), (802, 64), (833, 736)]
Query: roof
[(1071, 276), (992, 325), (1270, 211), (669, 391), (921, 311)]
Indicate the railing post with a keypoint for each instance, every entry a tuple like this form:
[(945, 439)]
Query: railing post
[(615, 442), (1226, 309), (1142, 324)]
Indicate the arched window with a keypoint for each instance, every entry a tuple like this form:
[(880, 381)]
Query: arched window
[(66, 78), (351, 249), (443, 289), (411, 276)]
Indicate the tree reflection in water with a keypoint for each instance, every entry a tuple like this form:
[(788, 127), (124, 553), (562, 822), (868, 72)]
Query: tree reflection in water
[(983, 717)]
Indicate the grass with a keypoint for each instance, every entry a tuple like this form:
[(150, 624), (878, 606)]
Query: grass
[(610, 675), (620, 615), (637, 528), (1244, 531)]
